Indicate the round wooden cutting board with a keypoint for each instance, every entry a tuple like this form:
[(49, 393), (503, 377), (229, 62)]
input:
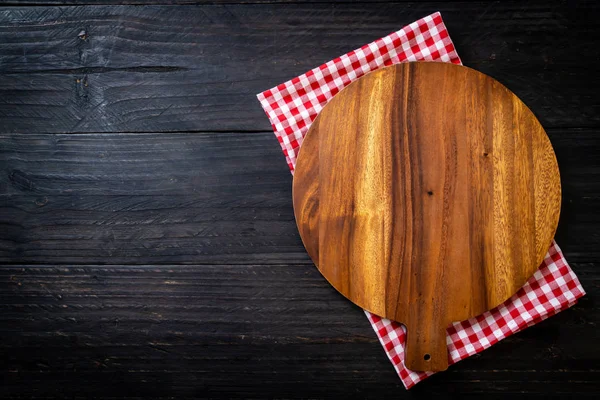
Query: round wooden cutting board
[(426, 193)]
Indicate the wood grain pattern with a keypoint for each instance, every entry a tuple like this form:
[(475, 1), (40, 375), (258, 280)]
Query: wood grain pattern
[(160, 198), (166, 198), (177, 68), (432, 194), (212, 331), (119, 316)]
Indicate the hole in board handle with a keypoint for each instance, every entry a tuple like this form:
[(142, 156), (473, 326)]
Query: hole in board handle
[(426, 357)]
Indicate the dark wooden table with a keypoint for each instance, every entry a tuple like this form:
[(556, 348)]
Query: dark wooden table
[(147, 238)]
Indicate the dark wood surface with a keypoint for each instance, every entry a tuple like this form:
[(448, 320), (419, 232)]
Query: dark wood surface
[(146, 227), (426, 193)]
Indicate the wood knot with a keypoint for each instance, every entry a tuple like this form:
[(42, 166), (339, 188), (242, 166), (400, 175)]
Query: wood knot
[(430, 193), (41, 201)]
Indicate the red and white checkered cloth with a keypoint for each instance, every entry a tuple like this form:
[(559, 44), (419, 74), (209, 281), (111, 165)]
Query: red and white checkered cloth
[(292, 106)]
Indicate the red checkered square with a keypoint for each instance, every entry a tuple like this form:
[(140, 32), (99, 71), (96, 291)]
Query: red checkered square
[(291, 108)]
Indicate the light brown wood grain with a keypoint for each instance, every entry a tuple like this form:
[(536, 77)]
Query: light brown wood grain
[(426, 193)]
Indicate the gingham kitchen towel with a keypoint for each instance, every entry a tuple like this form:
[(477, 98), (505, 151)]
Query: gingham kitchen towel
[(291, 108)]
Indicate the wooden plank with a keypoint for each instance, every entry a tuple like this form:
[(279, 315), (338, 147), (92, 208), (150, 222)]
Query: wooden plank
[(189, 198), (198, 68), (199, 2), (198, 198), (157, 331), (578, 157)]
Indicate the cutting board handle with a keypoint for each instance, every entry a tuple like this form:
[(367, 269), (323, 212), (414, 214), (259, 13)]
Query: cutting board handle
[(426, 348)]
